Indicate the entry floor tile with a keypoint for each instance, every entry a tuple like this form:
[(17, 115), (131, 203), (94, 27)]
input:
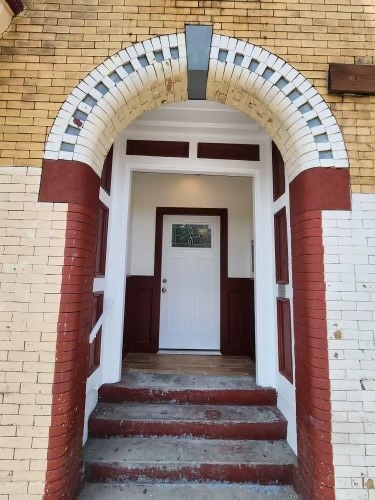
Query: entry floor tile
[(189, 364), (193, 491)]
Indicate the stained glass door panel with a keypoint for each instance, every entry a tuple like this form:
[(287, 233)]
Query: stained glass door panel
[(191, 235)]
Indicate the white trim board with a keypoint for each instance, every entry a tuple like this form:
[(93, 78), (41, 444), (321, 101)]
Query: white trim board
[(123, 166)]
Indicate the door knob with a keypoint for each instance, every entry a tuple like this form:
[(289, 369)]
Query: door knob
[(164, 290)]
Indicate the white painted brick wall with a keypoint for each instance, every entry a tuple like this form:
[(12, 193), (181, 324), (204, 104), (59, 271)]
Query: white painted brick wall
[(32, 240), (349, 254)]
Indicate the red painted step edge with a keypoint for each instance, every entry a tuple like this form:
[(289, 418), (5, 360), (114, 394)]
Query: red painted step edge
[(232, 473), (120, 394), (104, 428)]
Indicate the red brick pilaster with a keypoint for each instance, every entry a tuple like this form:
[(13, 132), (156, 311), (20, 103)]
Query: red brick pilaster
[(80, 189), (311, 192)]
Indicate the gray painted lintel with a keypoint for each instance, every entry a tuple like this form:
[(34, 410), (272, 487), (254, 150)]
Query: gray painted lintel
[(198, 45)]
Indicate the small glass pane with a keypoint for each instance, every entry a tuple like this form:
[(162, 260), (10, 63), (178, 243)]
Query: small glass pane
[(191, 235)]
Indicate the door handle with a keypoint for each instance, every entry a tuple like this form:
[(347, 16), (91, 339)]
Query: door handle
[(163, 290)]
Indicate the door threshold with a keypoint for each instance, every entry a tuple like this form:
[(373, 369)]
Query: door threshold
[(196, 352)]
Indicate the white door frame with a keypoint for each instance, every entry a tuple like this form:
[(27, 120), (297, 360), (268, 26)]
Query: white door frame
[(265, 316)]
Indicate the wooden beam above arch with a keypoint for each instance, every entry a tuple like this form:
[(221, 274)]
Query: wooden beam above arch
[(351, 78)]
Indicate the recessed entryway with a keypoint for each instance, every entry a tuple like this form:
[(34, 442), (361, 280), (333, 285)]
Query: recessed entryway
[(190, 283), (192, 229), (145, 185)]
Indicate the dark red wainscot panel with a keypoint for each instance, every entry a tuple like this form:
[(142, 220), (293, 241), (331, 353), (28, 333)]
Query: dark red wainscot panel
[(284, 339), (278, 173), (94, 350), (105, 181), (281, 247), (101, 242)]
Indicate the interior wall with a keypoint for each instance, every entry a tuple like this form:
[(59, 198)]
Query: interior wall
[(151, 190)]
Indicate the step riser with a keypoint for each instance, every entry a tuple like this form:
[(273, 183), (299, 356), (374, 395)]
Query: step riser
[(207, 491), (210, 430), (118, 394), (239, 473)]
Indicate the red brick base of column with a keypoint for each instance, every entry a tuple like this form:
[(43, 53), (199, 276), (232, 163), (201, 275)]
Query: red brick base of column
[(311, 192), (76, 184)]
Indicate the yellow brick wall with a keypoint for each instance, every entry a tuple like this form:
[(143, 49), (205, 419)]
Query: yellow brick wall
[(54, 44)]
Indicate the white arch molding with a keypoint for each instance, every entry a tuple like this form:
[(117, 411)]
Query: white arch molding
[(242, 75)]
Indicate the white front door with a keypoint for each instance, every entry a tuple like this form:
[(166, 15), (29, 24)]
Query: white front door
[(190, 287)]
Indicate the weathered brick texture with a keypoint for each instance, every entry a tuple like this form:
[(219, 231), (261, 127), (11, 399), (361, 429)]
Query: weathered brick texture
[(313, 406), (52, 45), (65, 468), (349, 267), (31, 263)]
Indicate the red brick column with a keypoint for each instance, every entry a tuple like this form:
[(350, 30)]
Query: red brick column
[(76, 184), (311, 192)]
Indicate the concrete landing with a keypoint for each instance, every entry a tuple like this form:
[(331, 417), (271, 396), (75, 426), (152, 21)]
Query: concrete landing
[(194, 389), (186, 492), (211, 421)]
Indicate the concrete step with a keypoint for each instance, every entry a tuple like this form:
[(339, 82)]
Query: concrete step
[(194, 389), (173, 460), (191, 491), (209, 421)]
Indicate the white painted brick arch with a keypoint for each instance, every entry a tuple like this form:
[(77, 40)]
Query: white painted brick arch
[(244, 76), (135, 80), (280, 99)]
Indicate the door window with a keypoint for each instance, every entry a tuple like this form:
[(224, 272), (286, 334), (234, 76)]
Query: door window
[(191, 235)]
